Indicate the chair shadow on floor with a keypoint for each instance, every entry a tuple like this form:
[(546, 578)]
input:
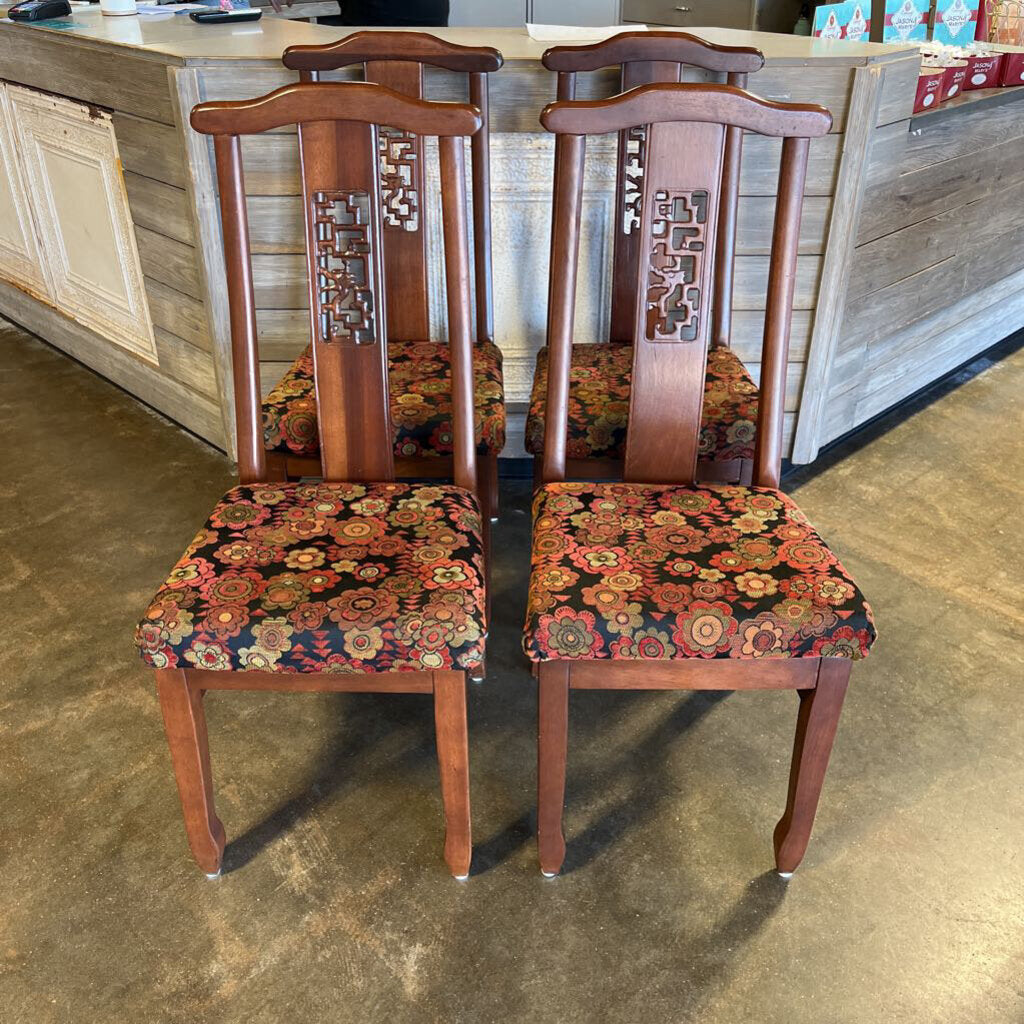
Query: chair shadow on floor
[(364, 723), (642, 762)]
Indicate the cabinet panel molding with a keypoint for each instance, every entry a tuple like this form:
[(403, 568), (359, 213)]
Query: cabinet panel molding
[(87, 240), (20, 261)]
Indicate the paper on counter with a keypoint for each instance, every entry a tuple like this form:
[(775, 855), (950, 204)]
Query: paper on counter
[(584, 33)]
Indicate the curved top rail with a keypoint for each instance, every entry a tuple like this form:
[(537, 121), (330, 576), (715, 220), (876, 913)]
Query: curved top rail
[(717, 104), (681, 47), (422, 47), (365, 102)]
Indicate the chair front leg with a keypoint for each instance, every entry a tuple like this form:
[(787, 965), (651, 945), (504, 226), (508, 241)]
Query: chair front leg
[(185, 723), (453, 760), (816, 727), (487, 483), (552, 751)]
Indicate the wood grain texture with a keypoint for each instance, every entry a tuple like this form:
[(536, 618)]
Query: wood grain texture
[(177, 313), (117, 78), (170, 262), (835, 274), (187, 364), (150, 148), (453, 762), (181, 703), (552, 753), (162, 208), (817, 722), (202, 192)]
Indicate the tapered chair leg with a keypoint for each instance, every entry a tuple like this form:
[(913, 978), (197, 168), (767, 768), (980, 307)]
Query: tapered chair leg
[(453, 759), (185, 723), (487, 482), (815, 730), (552, 750)]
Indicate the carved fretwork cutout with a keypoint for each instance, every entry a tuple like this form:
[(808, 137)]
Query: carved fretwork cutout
[(677, 260), (633, 177), (344, 286), (398, 158)]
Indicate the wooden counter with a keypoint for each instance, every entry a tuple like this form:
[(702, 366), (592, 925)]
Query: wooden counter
[(860, 314)]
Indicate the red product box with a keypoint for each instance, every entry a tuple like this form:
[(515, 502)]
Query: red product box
[(929, 89), (984, 72), (953, 79), (1013, 69)]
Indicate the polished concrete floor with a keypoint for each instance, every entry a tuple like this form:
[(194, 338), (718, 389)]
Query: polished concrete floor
[(335, 904)]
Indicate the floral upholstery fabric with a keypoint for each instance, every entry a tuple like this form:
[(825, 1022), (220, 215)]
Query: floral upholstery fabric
[(419, 382), (325, 578), (599, 384), (650, 571)]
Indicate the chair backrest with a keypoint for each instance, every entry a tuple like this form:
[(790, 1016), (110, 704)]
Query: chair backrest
[(678, 233), (645, 58), (338, 125), (397, 60)]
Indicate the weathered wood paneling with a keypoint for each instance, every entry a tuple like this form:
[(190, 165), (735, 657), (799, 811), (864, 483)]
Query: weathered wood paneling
[(921, 194), (899, 86), (170, 262), (187, 364), (159, 207), (945, 284), (150, 148), (115, 77), (178, 314)]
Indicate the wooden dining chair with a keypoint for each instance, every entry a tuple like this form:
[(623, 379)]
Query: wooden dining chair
[(355, 582), (600, 378), (419, 368), (657, 581)]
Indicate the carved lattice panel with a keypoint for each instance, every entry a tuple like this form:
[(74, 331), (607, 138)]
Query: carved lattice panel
[(343, 258), (634, 157), (675, 278), (399, 156)]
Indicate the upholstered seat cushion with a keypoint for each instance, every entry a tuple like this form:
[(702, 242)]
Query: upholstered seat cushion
[(648, 571), (419, 382), (325, 578), (599, 384)]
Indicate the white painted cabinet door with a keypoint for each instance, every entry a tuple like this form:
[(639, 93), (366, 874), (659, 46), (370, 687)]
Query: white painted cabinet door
[(576, 12), (86, 238), (19, 250)]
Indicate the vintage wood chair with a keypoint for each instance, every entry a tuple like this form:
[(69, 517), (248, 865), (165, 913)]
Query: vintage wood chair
[(600, 382), (659, 582), (419, 369), (355, 583)]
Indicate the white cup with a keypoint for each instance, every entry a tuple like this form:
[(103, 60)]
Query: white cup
[(118, 8)]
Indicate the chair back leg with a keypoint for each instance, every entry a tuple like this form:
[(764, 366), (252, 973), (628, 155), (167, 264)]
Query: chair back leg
[(453, 760), (816, 726), (185, 723), (552, 748)]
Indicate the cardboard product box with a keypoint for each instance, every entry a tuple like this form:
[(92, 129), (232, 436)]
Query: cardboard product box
[(1013, 69), (929, 89), (953, 79), (984, 70)]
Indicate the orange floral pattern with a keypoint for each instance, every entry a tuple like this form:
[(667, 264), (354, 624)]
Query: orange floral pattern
[(419, 382), (599, 386), (325, 578), (651, 571)]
